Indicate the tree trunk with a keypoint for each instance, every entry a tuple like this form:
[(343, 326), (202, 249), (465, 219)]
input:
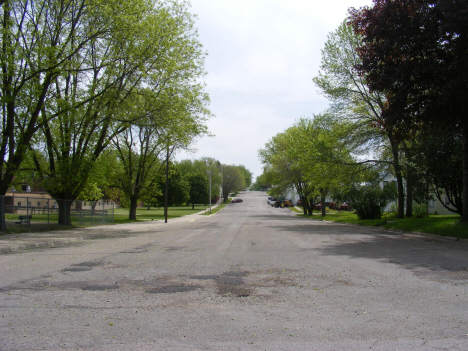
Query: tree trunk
[(64, 207), (310, 208), (322, 201), (409, 180), (464, 215), (399, 178), (193, 206), (133, 207), (409, 196), (401, 194)]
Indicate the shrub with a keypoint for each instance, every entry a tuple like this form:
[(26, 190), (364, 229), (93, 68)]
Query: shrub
[(419, 211), (370, 200)]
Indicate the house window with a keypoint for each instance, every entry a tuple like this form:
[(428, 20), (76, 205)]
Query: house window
[(447, 201), (19, 204), (431, 204), (38, 204), (29, 204)]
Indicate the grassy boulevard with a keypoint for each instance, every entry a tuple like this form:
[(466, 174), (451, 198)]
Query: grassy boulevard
[(145, 214), (444, 225)]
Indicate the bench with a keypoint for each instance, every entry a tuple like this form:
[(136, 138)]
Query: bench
[(24, 219)]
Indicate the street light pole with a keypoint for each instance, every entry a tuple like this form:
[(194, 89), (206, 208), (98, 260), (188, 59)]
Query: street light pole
[(209, 172), (166, 193)]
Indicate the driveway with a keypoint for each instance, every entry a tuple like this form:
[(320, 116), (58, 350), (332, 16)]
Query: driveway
[(251, 277)]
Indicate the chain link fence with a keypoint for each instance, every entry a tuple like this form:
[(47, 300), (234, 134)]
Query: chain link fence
[(27, 213)]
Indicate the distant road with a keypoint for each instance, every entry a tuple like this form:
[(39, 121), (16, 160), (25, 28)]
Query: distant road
[(251, 277)]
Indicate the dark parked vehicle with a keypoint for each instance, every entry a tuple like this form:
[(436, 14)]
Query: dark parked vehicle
[(236, 201), (282, 203), (345, 207)]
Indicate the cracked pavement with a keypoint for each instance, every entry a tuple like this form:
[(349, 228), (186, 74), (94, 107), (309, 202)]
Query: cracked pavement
[(251, 277)]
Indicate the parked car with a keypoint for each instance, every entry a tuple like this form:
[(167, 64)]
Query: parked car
[(345, 207), (236, 201), (271, 201)]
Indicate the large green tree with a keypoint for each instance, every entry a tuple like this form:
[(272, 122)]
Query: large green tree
[(323, 152), (199, 189), (205, 165), (165, 122), (247, 175), (283, 170), (261, 183), (311, 156), (178, 187), (41, 40), (352, 101), (233, 180), (155, 46)]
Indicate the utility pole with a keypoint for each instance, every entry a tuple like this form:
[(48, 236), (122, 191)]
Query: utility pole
[(167, 185)]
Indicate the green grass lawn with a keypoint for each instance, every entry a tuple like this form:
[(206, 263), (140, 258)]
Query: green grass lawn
[(44, 222), (444, 225), (216, 209), (143, 214)]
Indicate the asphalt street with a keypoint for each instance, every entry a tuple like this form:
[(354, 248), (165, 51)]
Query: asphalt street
[(251, 277)]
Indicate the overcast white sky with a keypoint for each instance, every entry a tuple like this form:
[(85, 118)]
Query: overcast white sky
[(262, 56)]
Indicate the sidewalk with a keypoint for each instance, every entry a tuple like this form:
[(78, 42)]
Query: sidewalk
[(24, 241)]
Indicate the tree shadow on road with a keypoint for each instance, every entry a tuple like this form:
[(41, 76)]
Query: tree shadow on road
[(442, 259)]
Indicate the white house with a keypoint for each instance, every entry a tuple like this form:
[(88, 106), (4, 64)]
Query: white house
[(434, 206)]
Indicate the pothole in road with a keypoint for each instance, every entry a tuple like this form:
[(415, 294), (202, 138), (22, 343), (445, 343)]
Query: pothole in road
[(139, 249), (236, 274), (172, 289), (76, 269), (205, 277), (88, 264), (232, 290), (174, 248), (100, 287), (229, 283), (136, 250)]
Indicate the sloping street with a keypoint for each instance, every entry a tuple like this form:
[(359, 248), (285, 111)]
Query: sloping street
[(251, 277)]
